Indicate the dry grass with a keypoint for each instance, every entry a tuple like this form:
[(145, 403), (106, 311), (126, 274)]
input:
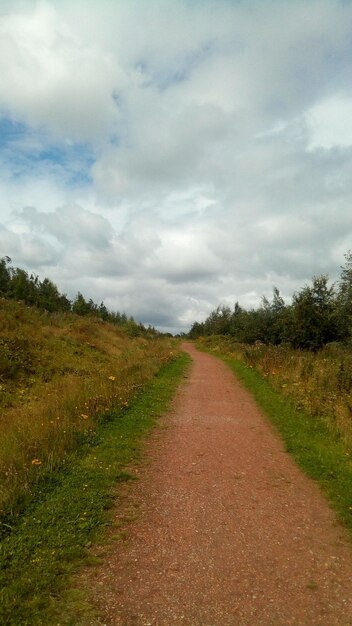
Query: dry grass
[(320, 383), (59, 375)]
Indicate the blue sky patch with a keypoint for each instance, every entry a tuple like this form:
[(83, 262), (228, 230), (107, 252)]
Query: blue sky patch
[(23, 150)]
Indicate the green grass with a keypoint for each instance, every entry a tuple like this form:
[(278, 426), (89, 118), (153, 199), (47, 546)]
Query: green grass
[(321, 453), (50, 541)]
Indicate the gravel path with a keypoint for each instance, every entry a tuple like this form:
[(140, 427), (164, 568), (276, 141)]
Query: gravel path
[(228, 532)]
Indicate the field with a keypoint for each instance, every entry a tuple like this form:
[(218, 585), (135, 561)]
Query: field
[(60, 374)]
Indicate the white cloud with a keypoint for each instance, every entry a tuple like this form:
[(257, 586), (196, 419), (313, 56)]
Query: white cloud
[(48, 78), (71, 226), (330, 123), (213, 140)]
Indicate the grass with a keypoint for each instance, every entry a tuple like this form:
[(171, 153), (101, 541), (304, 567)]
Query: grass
[(50, 541), (59, 375), (318, 449)]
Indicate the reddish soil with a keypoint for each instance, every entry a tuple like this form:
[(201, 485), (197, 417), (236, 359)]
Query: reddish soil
[(229, 532)]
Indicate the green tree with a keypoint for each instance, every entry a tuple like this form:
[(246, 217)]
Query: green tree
[(23, 287), (219, 321), (80, 306), (5, 275), (344, 300), (103, 312), (197, 330), (313, 318), (50, 299), (273, 319)]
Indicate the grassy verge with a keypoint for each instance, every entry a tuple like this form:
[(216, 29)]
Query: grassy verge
[(59, 375), (322, 453), (50, 541)]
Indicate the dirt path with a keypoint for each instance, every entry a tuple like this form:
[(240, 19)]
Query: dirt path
[(230, 533)]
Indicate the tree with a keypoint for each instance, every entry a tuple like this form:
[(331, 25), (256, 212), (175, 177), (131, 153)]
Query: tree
[(219, 321), (22, 286), (103, 312), (5, 275), (197, 330), (273, 319), (80, 306), (344, 300), (313, 319), (50, 299)]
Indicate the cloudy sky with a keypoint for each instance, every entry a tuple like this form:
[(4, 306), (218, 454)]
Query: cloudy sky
[(170, 155)]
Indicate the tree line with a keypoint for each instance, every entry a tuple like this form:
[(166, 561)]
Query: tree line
[(318, 314), (17, 284)]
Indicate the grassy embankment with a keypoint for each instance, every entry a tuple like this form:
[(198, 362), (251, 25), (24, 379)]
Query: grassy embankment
[(59, 375), (72, 419), (309, 399)]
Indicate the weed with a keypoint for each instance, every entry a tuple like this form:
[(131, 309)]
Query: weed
[(60, 375)]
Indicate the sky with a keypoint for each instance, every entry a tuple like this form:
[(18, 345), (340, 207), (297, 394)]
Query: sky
[(168, 156)]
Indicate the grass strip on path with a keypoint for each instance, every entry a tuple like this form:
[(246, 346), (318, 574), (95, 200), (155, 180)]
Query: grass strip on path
[(320, 452), (51, 540)]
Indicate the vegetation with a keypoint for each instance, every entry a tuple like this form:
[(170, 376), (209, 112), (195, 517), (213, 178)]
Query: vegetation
[(59, 375), (318, 315), (17, 284), (52, 538)]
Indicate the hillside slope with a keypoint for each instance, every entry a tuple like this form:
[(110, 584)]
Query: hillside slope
[(59, 375)]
